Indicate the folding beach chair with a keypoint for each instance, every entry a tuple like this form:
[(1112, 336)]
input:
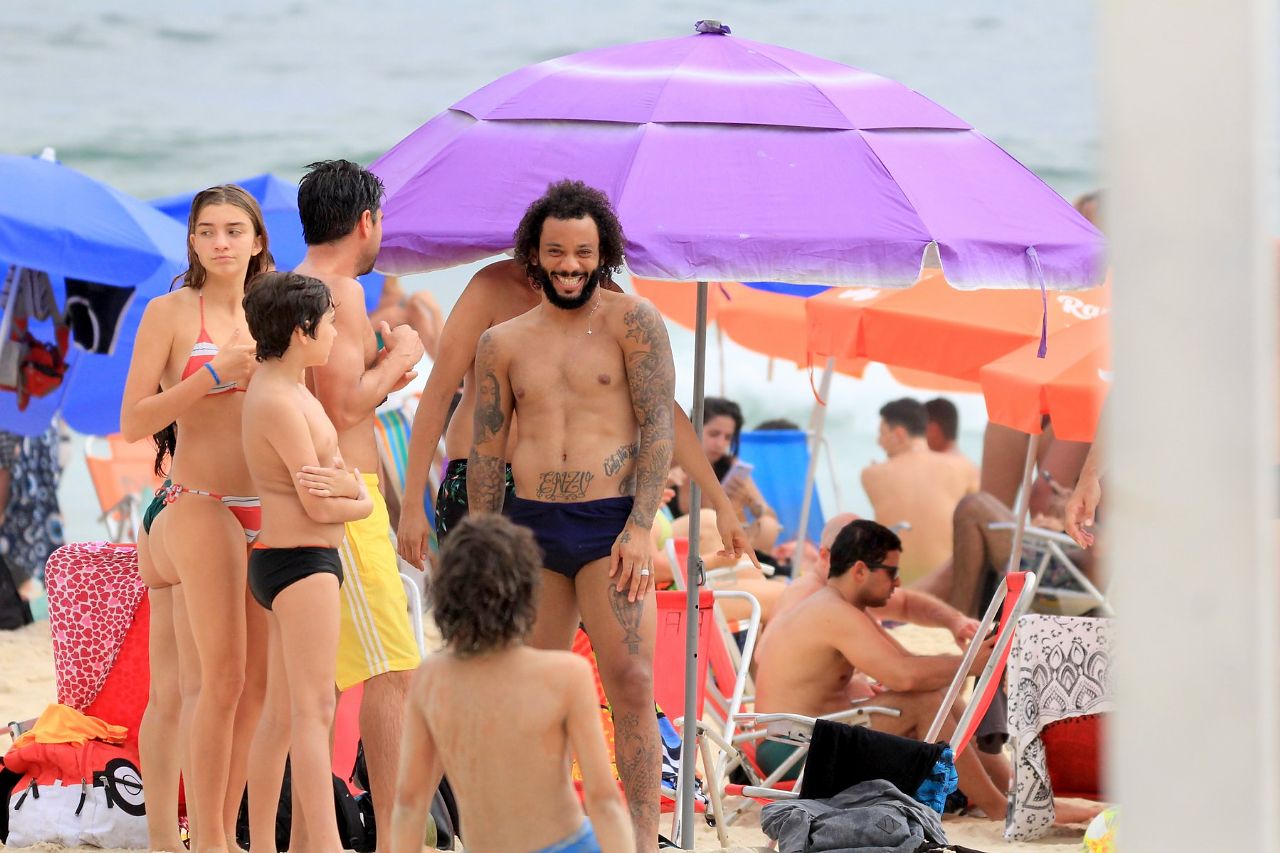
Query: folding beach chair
[(781, 458), (1061, 587), (124, 480), (1013, 597)]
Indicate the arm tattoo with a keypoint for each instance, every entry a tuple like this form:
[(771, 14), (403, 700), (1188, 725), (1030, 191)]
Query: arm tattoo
[(614, 463), (488, 419), (564, 485), (629, 614), (651, 377), (486, 482)]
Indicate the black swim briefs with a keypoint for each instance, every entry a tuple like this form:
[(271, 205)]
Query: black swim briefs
[(272, 570), (573, 534), (451, 500)]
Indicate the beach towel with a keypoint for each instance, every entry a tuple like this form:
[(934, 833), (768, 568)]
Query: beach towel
[(74, 788), (1059, 669), (95, 597), (872, 816)]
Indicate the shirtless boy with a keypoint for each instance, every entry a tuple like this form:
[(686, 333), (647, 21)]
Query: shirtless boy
[(502, 291), (590, 375), (340, 207), (294, 569), (918, 486), (501, 718)]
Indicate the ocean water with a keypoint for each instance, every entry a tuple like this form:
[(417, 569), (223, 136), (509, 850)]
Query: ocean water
[(158, 98)]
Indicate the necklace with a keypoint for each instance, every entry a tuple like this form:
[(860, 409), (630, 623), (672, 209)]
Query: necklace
[(592, 314)]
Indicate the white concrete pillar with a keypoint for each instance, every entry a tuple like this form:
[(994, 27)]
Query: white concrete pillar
[(1188, 93)]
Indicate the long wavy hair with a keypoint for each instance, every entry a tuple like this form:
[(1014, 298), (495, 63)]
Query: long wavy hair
[(166, 440)]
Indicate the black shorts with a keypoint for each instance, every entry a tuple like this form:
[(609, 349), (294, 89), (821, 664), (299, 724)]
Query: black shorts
[(273, 570), (573, 534), (451, 500)]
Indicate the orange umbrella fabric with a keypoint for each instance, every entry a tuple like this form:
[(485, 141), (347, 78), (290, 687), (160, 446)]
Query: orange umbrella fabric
[(936, 328), (1069, 384)]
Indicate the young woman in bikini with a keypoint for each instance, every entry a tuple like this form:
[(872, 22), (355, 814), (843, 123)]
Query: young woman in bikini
[(192, 358)]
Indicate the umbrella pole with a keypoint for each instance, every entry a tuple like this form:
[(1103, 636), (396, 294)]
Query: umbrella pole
[(817, 424), (693, 572), (1020, 508)]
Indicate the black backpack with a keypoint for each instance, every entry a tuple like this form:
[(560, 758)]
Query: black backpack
[(351, 826)]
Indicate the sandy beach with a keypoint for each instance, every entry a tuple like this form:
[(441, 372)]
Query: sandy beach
[(27, 686)]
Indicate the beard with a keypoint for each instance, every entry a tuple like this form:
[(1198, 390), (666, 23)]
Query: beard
[(567, 303)]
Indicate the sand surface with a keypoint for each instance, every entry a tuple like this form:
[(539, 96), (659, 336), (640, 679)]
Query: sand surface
[(27, 686)]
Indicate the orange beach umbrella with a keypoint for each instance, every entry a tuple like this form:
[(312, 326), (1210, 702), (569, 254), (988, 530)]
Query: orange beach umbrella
[(1069, 384)]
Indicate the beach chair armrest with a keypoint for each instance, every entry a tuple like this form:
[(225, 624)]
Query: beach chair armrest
[(757, 793)]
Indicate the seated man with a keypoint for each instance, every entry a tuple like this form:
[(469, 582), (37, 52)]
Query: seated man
[(906, 605), (943, 429), (916, 486), (806, 661)]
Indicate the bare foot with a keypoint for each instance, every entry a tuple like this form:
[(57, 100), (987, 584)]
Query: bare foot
[(1075, 811)]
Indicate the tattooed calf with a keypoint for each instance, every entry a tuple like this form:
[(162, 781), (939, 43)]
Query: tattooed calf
[(618, 458), (564, 485)]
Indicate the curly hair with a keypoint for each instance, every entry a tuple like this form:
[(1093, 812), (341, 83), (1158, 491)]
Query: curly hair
[(571, 200), (861, 540), (483, 594)]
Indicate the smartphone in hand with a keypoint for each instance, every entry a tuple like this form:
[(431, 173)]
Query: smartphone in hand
[(737, 471)]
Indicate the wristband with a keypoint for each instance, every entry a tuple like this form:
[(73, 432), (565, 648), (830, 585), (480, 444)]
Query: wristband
[(209, 367)]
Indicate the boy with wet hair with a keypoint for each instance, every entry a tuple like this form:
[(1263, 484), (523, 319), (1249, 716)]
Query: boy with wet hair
[(500, 718), (291, 448)]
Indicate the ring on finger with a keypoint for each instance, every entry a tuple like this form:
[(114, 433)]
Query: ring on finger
[(644, 573)]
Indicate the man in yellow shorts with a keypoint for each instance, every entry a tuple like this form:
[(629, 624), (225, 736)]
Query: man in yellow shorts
[(340, 206)]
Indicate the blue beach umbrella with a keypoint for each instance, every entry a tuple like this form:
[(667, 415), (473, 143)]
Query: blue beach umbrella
[(279, 201), (89, 238)]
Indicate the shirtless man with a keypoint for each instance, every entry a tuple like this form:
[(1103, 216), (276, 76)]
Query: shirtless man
[(590, 375), (340, 207), (502, 291), (294, 568), (806, 663), (906, 605), (917, 486), (943, 429)]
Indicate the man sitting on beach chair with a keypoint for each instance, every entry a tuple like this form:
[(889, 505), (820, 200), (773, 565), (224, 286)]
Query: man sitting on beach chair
[(807, 661)]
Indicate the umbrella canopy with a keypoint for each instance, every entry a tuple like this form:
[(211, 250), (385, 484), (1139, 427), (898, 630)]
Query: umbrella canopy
[(66, 224), (768, 322), (933, 327), (1069, 385), (732, 160), (278, 199)]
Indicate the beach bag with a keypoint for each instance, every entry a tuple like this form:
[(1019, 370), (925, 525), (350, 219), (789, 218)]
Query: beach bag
[(75, 794), (98, 620), (351, 827)]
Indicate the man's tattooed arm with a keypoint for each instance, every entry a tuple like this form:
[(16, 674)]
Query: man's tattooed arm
[(486, 465), (651, 377)]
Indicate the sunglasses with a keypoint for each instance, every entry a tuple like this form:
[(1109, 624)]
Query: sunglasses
[(892, 571)]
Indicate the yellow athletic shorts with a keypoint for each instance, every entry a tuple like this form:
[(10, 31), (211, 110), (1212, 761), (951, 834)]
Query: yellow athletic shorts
[(376, 635)]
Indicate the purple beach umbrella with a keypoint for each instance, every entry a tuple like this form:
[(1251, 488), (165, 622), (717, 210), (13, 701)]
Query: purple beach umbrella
[(732, 160)]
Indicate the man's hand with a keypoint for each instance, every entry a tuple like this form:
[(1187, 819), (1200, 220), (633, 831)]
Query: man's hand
[(403, 341), (1081, 507), (984, 654), (736, 542), (631, 562), (335, 482), (964, 629), (413, 537), (863, 687)]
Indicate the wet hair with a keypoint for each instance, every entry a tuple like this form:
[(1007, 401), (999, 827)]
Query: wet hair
[(906, 413), (861, 540), (231, 194), (571, 200), (714, 407), (777, 424), (332, 197), (483, 591), (943, 412), (277, 303), (166, 441)]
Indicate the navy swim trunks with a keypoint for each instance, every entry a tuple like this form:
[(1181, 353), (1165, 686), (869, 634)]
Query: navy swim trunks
[(573, 534)]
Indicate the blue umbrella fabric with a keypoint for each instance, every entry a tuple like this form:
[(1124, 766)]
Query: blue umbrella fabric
[(279, 201), (71, 226)]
